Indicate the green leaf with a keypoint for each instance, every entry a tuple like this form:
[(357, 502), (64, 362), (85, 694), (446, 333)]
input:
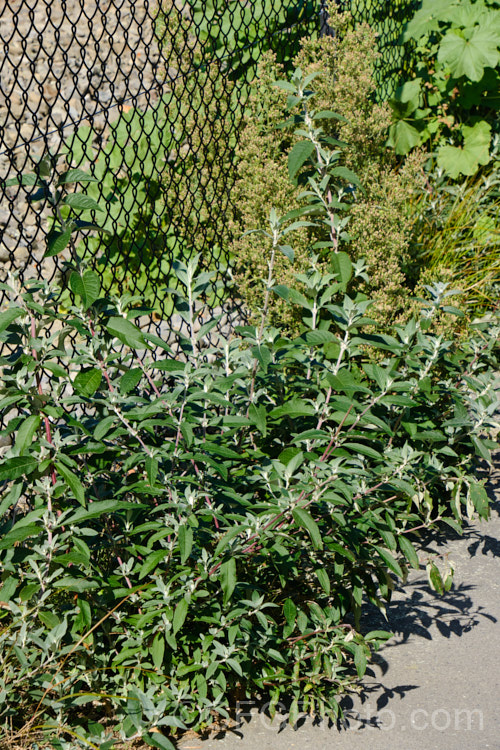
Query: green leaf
[(403, 137), (170, 365), (156, 739), (75, 584), (126, 332), (378, 635), (23, 179), (130, 379), (347, 174), (187, 433), (185, 541), (481, 449), (287, 251), (342, 267), (480, 499), (87, 286), (26, 431), (408, 551), (81, 202), (257, 414), (327, 114), (389, 560), (152, 466), (19, 534), (455, 525), (466, 159), (180, 613), (365, 450), (409, 93), (75, 175), (13, 468), (49, 619), (469, 57), (263, 355), (293, 714), (318, 337), (360, 660), (104, 427), (28, 591), (57, 242), (8, 589), (290, 611), (307, 522), (56, 369), (221, 450), (293, 408), (323, 579), (151, 562), (97, 509), (9, 316), (158, 650), (227, 577), (72, 481), (298, 156), (426, 19), (87, 382), (434, 577)]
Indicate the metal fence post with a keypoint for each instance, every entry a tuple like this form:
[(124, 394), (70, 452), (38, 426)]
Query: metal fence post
[(324, 28)]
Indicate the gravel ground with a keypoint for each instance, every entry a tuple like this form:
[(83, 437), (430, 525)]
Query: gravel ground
[(64, 64)]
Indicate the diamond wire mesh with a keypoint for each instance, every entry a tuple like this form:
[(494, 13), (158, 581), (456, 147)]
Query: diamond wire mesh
[(148, 98), (107, 83), (387, 17)]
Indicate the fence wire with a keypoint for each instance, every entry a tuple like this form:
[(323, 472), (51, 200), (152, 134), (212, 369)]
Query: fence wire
[(147, 96)]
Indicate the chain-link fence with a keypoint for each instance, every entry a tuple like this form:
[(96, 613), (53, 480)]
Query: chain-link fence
[(138, 92)]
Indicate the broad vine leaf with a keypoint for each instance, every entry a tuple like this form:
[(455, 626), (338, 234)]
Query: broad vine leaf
[(466, 159), (403, 137), (469, 57), (426, 19)]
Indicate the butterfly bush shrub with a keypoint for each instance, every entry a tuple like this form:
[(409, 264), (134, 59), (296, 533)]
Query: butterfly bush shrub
[(186, 527)]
